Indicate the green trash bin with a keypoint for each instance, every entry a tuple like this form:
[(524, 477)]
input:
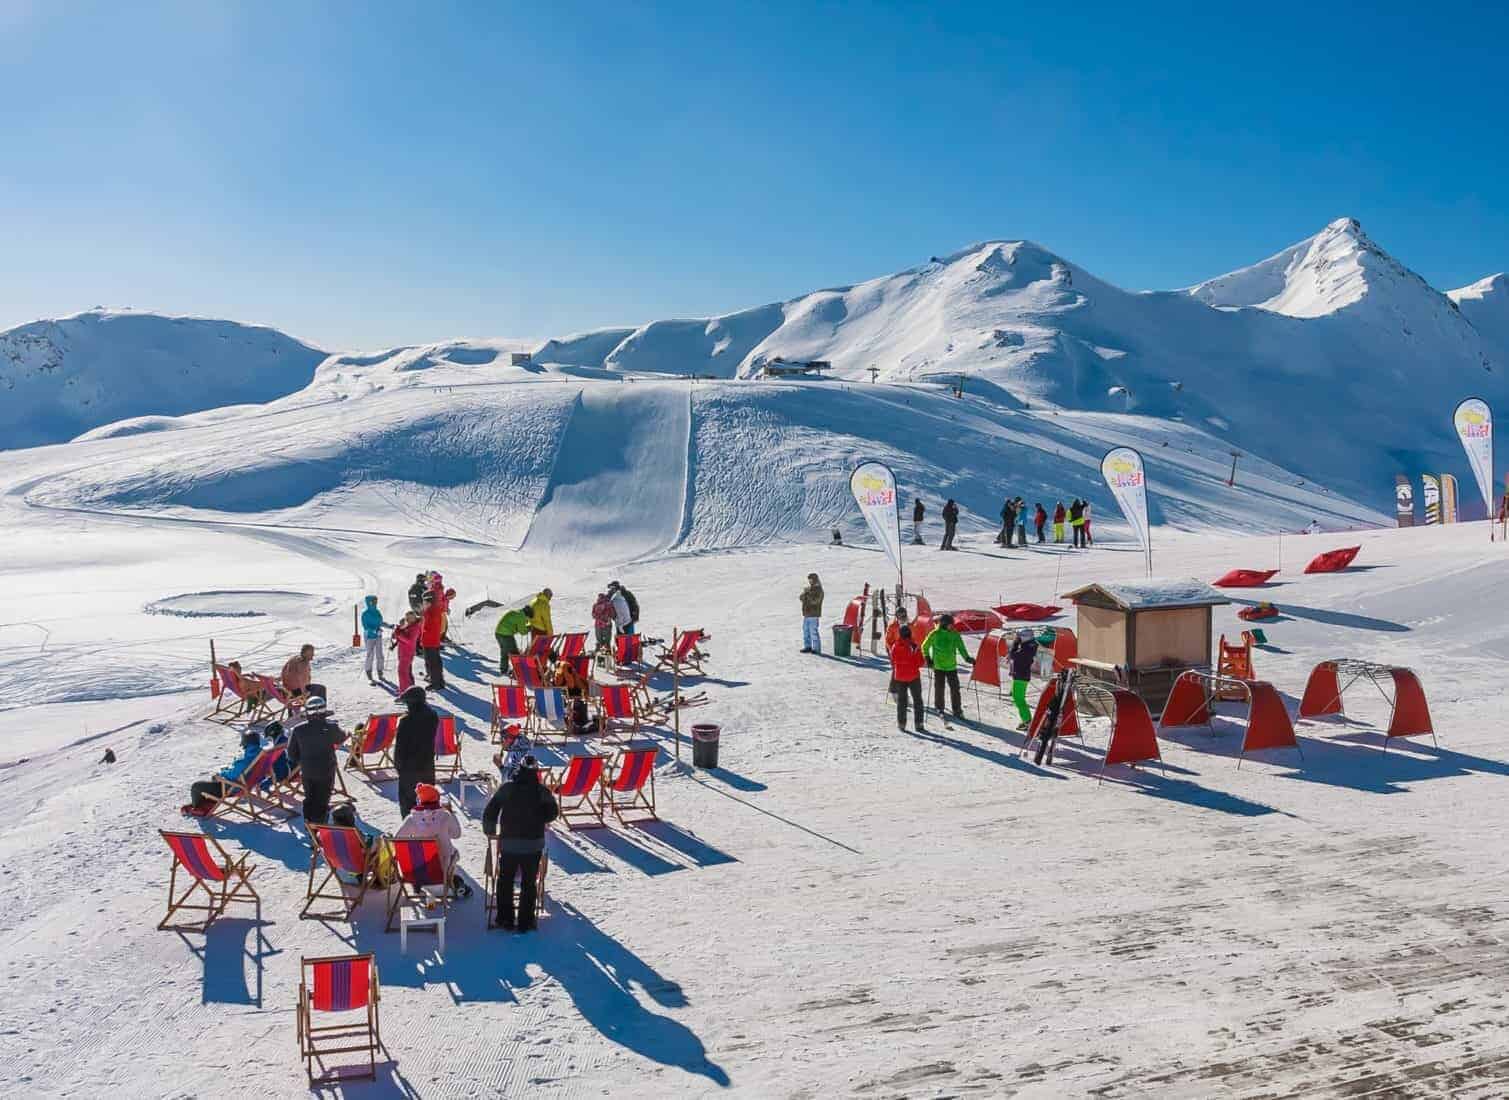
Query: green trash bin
[(843, 640)]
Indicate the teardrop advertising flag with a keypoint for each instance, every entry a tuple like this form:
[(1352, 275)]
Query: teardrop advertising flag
[(874, 488), (1475, 429), (1123, 471)]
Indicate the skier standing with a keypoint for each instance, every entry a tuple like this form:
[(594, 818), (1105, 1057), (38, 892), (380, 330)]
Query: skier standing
[(1085, 516), (906, 676), (1039, 519), (812, 610), (1008, 522), (431, 633), (406, 642), (1021, 522), (918, 512), (1022, 653), (943, 648), (616, 589), (539, 614), (372, 625), (1058, 522), (1077, 521), (603, 617), (950, 524)]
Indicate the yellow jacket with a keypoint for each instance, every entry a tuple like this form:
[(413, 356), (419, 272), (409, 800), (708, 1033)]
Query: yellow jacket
[(539, 614)]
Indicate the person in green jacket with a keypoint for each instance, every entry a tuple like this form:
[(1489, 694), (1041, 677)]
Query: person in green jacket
[(510, 624), (943, 648)]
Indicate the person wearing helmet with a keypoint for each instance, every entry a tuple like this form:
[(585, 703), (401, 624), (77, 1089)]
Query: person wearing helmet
[(517, 815), (311, 749), (431, 818), (204, 794), (414, 747), (1022, 654)]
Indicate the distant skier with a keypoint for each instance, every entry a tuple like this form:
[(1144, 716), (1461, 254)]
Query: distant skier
[(1077, 521), (1008, 523), (1021, 522), (406, 642), (943, 649), (950, 524), (1058, 522), (918, 514), (906, 678), (372, 625), (812, 610), (1040, 520), (1022, 654), (1313, 528), (1085, 518)]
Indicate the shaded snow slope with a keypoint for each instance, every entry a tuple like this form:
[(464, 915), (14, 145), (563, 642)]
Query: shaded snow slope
[(62, 378), (1486, 304)]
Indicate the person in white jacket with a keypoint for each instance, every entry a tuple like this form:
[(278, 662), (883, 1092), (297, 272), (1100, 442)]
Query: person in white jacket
[(623, 618), (430, 818)]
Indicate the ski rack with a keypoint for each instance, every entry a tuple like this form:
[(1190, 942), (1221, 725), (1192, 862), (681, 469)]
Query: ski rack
[(1409, 713), (1267, 717)]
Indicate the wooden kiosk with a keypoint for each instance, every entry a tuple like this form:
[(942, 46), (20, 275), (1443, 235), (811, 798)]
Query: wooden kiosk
[(1142, 634)]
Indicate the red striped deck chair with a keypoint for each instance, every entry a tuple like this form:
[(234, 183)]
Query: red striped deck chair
[(420, 864), (348, 871), (257, 795), (628, 649), (685, 653), (447, 749), (210, 870), (540, 647), (490, 884), (527, 673), (341, 985), (615, 703), (276, 703), (374, 751), (232, 701), (571, 645), (580, 784), (548, 709), (510, 704), (581, 665), (630, 784)]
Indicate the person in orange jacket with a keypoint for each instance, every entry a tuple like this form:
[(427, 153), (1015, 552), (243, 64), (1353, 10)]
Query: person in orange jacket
[(906, 673)]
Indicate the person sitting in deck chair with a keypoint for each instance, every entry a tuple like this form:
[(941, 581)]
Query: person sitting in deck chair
[(204, 794), (517, 814), (569, 680), (430, 818)]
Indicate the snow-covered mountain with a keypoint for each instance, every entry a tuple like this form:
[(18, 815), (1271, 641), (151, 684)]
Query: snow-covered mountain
[(62, 378), (1486, 304)]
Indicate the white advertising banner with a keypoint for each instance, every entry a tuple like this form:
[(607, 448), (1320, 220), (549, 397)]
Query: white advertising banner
[(1122, 469), (1475, 429), (874, 488)]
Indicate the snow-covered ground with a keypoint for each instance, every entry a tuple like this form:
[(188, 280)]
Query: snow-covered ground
[(840, 910)]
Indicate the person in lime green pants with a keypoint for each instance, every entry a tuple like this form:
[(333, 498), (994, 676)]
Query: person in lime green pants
[(1022, 654)]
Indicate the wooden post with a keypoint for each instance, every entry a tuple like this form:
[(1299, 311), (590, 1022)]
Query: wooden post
[(676, 689)]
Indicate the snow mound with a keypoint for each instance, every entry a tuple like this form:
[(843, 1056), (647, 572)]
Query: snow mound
[(65, 377)]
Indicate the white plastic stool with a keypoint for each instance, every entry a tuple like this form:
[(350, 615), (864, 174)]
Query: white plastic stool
[(410, 917), (481, 782)]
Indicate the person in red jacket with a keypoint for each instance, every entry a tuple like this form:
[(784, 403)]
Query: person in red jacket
[(906, 671), (431, 634)]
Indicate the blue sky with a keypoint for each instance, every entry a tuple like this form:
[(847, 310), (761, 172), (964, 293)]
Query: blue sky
[(373, 174)]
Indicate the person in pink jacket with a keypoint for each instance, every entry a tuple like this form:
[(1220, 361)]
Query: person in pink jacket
[(406, 641), (430, 818)]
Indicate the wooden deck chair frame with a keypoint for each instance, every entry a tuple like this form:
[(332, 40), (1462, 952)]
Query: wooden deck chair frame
[(357, 760), (683, 651), (571, 645), (231, 879), (276, 704), (624, 642), (231, 702), (586, 796), (490, 882), (538, 727), (632, 773), (315, 1040), (401, 891), (244, 797), (500, 720), (447, 764), (343, 895), (541, 647), (528, 673), (620, 725)]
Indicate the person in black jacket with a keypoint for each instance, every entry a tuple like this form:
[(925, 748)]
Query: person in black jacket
[(517, 815), (918, 514), (417, 590), (950, 522), (1008, 522), (311, 749), (414, 746)]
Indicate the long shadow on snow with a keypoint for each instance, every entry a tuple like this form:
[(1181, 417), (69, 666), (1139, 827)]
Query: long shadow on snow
[(463, 664), (284, 843), (1146, 781), (687, 843), (389, 1083), (1356, 761), (225, 953), (1334, 618), (365, 932), (1013, 762), (635, 855), (597, 972)]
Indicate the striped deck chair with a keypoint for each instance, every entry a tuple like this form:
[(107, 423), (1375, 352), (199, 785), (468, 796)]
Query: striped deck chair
[(447, 749), (581, 664), (257, 795), (686, 655), (548, 712), (343, 984), (209, 869), (276, 702), (628, 649), (490, 883), (348, 864), (571, 645), (510, 704), (527, 673), (376, 741), (630, 783), (616, 705), (419, 864), (580, 784), (540, 647), (232, 701)]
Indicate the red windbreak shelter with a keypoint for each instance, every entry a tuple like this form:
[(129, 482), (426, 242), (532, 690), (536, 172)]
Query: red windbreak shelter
[(1409, 714)]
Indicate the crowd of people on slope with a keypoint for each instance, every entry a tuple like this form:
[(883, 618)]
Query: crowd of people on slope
[(1073, 521)]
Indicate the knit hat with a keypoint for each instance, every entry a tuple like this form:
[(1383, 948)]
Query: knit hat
[(426, 795)]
